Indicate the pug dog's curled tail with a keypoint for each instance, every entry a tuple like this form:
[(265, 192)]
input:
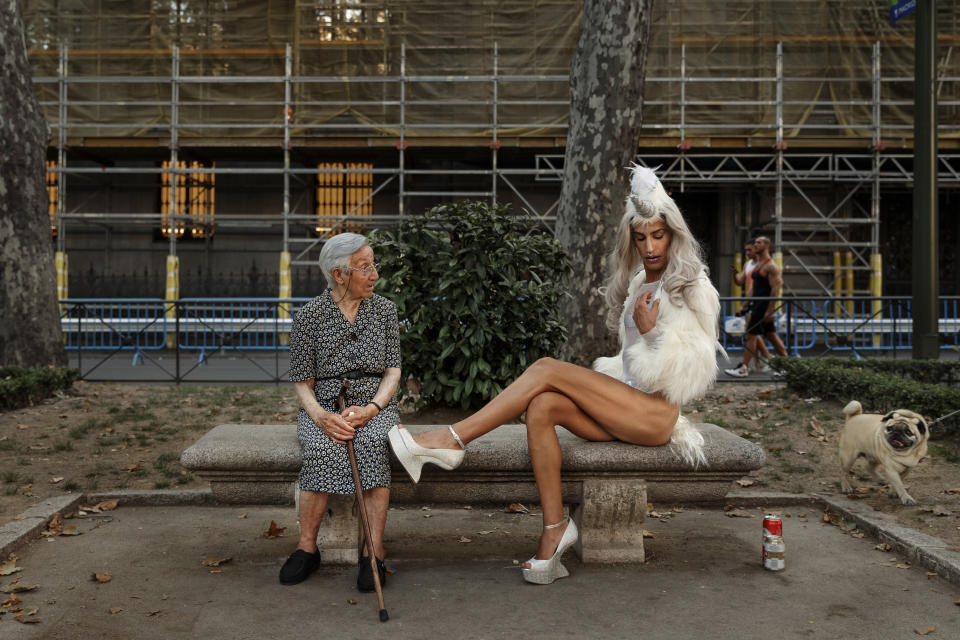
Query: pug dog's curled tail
[(853, 408)]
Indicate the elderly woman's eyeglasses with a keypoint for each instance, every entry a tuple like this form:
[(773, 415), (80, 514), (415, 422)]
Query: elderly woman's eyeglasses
[(367, 270)]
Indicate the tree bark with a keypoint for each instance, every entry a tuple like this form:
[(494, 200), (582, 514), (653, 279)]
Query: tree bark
[(29, 317), (606, 99)]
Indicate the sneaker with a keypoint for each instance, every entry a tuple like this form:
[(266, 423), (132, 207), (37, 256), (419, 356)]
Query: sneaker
[(764, 368), (299, 566), (740, 371)]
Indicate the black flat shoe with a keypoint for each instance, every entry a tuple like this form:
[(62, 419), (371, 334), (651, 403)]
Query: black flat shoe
[(365, 575), (299, 566)]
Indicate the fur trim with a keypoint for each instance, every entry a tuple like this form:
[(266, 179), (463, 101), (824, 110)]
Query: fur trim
[(690, 442), (682, 363)]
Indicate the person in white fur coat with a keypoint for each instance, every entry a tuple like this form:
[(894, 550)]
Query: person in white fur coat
[(662, 303)]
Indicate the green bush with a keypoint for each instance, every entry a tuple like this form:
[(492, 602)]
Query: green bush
[(479, 292), (929, 371), (877, 389), (21, 387)]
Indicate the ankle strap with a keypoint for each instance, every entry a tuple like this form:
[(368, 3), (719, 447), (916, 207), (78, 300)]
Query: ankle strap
[(457, 438), (559, 524)]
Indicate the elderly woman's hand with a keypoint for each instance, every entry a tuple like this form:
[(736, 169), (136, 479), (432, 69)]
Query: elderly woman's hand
[(356, 416), (335, 426)]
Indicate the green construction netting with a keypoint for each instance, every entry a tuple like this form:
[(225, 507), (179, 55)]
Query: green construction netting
[(348, 59)]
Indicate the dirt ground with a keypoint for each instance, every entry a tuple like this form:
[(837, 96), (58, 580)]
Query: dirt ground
[(101, 436)]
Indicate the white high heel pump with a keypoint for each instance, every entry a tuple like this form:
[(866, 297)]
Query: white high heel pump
[(546, 571), (412, 456)]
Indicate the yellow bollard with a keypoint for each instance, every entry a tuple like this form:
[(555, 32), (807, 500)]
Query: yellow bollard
[(286, 290), (171, 296), (876, 290), (848, 281)]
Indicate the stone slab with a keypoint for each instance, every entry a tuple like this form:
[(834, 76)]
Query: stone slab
[(256, 463)]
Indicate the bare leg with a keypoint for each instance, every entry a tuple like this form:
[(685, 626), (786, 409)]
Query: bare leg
[(545, 411), (312, 507), (751, 349), (762, 351), (377, 500), (777, 344), (606, 401)]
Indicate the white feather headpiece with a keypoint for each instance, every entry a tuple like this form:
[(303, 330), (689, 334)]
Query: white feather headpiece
[(645, 189)]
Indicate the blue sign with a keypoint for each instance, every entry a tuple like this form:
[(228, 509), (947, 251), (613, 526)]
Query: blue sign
[(900, 9)]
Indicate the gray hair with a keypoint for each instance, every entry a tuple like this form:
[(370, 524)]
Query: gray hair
[(336, 253)]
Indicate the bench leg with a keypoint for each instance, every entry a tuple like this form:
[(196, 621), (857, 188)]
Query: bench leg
[(610, 518), (338, 537)]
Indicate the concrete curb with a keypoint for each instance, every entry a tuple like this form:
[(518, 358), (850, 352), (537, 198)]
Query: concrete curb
[(28, 525), (929, 552)]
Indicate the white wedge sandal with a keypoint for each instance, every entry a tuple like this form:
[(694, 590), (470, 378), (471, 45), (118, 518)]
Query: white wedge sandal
[(546, 571), (412, 456)]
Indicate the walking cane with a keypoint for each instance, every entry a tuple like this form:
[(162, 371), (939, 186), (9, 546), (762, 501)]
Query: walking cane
[(341, 405)]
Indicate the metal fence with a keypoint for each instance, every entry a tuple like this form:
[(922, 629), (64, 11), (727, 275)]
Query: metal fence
[(247, 339)]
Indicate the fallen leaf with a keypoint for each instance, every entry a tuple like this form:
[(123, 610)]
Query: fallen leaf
[(952, 491), (428, 515), (464, 539), (938, 510), (16, 587), (931, 574), (468, 508), (23, 617), (677, 509), (727, 507), (516, 507), (216, 570), (70, 531), (351, 601), (102, 578), (648, 534), (816, 427), (242, 516), (114, 610), (152, 613), (739, 513), (745, 482), (164, 596), (424, 508), (274, 531), (484, 533), (56, 479), (133, 467), (763, 395), (922, 631), (903, 565), (857, 534), (215, 562), (883, 546), (105, 505), (14, 600), (55, 525), (10, 567)]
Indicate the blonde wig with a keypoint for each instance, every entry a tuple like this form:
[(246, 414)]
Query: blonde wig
[(649, 202)]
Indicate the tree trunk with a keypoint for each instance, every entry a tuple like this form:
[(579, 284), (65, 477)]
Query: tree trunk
[(29, 318), (606, 98)]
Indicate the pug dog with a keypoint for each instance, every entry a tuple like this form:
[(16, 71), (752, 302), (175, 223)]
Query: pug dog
[(892, 444)]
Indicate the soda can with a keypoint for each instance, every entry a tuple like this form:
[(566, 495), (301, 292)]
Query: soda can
[(773, 553), (772, 526)]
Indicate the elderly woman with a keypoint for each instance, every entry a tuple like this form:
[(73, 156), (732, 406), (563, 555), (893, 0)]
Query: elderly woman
[(346, 332), (662, 304)]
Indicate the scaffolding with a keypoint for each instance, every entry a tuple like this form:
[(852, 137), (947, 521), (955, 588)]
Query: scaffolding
[(808, 235)]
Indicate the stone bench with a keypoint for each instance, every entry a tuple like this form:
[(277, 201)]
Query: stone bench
[(607, 484)]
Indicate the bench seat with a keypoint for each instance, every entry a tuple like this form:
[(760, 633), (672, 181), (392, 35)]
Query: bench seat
[(607, 484)]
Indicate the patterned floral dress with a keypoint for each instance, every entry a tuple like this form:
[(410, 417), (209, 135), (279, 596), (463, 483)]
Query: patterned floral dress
[(324, 346)]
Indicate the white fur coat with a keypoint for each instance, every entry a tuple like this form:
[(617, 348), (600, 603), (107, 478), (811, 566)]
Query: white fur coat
[(681, 363)]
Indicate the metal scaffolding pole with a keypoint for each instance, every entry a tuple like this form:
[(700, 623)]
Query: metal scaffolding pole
[(174, 144), (287, 115), (778, 200), (62, 148), (495, 143)]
